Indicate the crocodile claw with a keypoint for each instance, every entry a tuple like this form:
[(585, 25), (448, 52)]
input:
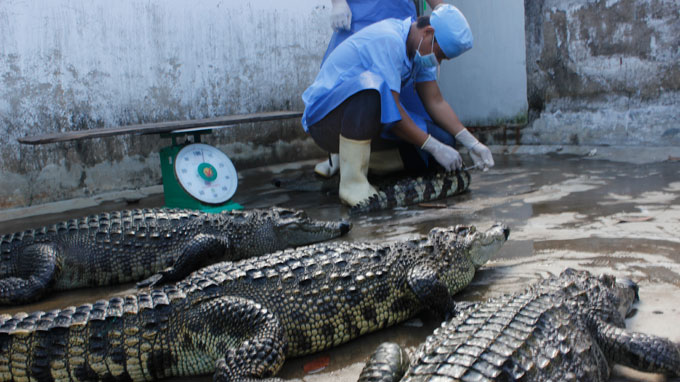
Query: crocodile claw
[(151, 281)]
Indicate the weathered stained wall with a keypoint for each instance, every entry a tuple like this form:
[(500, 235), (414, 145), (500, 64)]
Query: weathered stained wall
[(78, 64), (603, 72), (598, 73)]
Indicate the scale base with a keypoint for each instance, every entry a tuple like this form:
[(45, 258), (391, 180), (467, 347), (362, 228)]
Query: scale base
[(228, 206), (175, 196)]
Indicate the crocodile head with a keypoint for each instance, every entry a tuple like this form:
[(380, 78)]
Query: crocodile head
[(610, 299), (468, 241), (294, 228)]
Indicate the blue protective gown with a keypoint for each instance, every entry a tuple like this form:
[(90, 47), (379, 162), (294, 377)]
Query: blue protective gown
[(373, 58), (367, 12)]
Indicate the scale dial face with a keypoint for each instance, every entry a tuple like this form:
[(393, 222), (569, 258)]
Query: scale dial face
[(206, 173)]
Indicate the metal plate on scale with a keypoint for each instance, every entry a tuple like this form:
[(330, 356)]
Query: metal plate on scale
[(206, 173)]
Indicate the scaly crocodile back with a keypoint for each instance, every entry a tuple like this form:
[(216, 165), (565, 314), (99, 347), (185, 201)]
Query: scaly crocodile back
[(131, 245), (414, 190), (124, 338), (323, 295), (532, 336), (249, 313), (564, 328), (119, 246)]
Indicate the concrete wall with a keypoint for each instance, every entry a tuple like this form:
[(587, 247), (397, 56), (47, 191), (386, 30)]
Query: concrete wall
[(598, 72), (603, 72), (488, 84), (80, 64)]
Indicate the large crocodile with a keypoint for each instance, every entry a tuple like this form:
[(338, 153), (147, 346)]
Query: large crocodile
[(243, 319), (565, 328), (131, 245)]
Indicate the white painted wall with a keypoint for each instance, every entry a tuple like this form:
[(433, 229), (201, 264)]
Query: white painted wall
[(118, 60), (80, 64), (107, 63), (488, 84)]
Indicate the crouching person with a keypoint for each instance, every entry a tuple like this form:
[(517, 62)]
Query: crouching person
[(354, 106)]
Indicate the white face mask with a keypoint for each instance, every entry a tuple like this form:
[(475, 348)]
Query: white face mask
[(426, 61)]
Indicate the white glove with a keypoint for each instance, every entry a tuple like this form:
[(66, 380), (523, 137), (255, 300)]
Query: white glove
[(341, 15), (446, 155), (480, 154)]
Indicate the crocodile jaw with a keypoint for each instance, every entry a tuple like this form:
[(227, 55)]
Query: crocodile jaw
[(621, 293), (307, 232), (484, 245), (293, 228), (628, 295)]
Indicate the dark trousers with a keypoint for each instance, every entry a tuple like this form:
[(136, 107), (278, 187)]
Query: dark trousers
[(358, 118)]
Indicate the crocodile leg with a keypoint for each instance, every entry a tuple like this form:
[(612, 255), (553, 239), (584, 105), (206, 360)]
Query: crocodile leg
[(35, 272), (200, 251), (639, 351), (424, 282), (388, 364), (263, 349)]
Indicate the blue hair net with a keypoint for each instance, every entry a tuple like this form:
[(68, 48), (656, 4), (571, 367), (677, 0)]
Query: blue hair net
[(451, 30)]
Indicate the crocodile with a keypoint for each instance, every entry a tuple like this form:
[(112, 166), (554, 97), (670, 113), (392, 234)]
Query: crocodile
[(396, 190), (241, 320), (131, 245), (565, 328), (414, 190)]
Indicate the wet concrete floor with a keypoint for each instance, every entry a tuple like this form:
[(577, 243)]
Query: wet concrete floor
[(563, 211)]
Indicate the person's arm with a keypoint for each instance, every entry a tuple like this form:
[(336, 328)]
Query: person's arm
[(439, 110), (408, 131), (443, 115)]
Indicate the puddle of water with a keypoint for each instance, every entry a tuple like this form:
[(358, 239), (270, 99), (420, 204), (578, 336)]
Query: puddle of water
[(562, 213)]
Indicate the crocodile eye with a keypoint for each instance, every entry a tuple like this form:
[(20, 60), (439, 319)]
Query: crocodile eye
[(287, 213)]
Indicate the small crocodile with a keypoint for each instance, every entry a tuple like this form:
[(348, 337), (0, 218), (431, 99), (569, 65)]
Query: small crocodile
[(130, 245), (565, 328), (395, 190), (243, 319), (414, 190)]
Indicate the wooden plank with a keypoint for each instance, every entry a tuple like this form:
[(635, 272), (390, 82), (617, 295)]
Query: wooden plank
[(158, 127)]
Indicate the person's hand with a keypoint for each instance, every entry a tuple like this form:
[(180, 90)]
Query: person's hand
[(446, 155), (341, 15), (480, 154)]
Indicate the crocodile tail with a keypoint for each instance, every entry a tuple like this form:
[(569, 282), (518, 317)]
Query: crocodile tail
[(89, 342), (388, 363), (416, 190)]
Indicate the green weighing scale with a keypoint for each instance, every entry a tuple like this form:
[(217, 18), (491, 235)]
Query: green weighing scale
[(197, 176)]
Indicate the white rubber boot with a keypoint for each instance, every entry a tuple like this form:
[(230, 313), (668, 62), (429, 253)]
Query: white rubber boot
[(354, 157), (385, 162), (327, 169)]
